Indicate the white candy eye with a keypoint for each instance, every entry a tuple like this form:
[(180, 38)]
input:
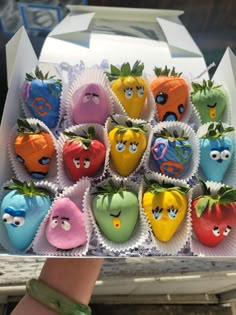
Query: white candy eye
[(133, 147), (227, 230), (54, 223), (225, 155), (18, 221), (215, 155), (7, 218), (157, 213), (86, 163), (86, 98), (76, 162), (120, 146), (96, 99), (65, 225), (216, 231), (140, 90), (128, 92)]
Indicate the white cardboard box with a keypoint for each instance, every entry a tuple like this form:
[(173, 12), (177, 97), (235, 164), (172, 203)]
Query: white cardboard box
[(92, 34)]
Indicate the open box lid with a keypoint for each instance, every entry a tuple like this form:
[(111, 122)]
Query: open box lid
[(93, 34)]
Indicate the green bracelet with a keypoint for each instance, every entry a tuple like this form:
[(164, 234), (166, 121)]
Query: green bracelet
[(55, 300)]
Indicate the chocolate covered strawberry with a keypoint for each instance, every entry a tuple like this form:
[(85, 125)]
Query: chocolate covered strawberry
[(42, 94), (83, 155), (172, 152), (214, 215), (210, 100), (217, 151), (22, 210), (34, 148)]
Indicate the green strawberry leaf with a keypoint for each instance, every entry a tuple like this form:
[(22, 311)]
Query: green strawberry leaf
[(201, 206), (125, 70), (115, 71), (228, 197)]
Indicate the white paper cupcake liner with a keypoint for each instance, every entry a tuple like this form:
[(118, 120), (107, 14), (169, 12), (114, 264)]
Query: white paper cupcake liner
[(139, 235), (230, 175), (75, 193), (192, 168), (19, 169), (227, 246), (183, 232), (149, 109), (89, 75), (121, 119), (53, 71), (188, 112), (100, 134), (4, 239)]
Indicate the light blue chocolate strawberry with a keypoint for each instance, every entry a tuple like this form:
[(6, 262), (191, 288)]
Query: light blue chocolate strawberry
[(171, 152), (216, 150), (42, 97), (22, 211)]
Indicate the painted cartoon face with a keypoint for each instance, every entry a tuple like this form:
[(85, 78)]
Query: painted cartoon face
[(65, 228), (90, 104), (171, 157)]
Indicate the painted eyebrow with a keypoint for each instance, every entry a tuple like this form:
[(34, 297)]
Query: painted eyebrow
[(86, 94), (55, 217), (65, 218), (95, 94)]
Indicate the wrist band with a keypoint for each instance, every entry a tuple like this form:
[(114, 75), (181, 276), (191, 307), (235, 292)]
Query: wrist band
[(55, 300)]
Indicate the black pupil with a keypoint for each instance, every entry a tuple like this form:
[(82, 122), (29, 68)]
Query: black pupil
[(17, 223), (161, 98)]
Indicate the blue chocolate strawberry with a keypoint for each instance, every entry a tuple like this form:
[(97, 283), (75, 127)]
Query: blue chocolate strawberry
[(171, 152), (42, 97), (216, 151), (22, 211)]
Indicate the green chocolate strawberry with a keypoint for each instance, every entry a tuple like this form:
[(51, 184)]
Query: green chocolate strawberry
[(210, 100), (116, 211)]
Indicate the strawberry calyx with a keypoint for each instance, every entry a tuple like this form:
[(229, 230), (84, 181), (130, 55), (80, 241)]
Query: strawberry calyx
[(205, 87), (225, 195), (172, 137), (217, 130), (27, 188), (125, 71), (38, 75), (26, 129), (129, 125), (110, 188), (156, 187), (86, 139), (166, 72)]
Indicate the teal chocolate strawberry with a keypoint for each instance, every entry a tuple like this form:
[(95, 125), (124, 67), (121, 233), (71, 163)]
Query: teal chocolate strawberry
[(116, 211), (42, 95), (210, 100), (172, 153), (22, 211), (214, 216), (217, 151)]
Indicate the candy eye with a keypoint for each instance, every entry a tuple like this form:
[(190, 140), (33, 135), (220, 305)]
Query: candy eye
[(225, 155), (44, 160), (76, 162), (7, 218), (133, 147), (18, 221), (157, 213), (65, 225), (128, 92), (215, 155), (96, 98), (86, 98), (161, 98), (227, 230), (86, 163), (140, 90), (172, 212), (120, 146), (19, 159), (54, 223), (216, 231)]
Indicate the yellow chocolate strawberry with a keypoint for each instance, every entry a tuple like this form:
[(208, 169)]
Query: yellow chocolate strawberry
[(128, 144), (129, 87), (165, 208)]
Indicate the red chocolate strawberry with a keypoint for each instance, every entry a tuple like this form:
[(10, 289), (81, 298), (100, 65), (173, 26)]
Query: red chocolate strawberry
[(83, 156), (213, 216)]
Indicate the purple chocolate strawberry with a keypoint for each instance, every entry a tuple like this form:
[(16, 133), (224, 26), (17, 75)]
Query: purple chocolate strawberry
[(171, 153), (216, 151)]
